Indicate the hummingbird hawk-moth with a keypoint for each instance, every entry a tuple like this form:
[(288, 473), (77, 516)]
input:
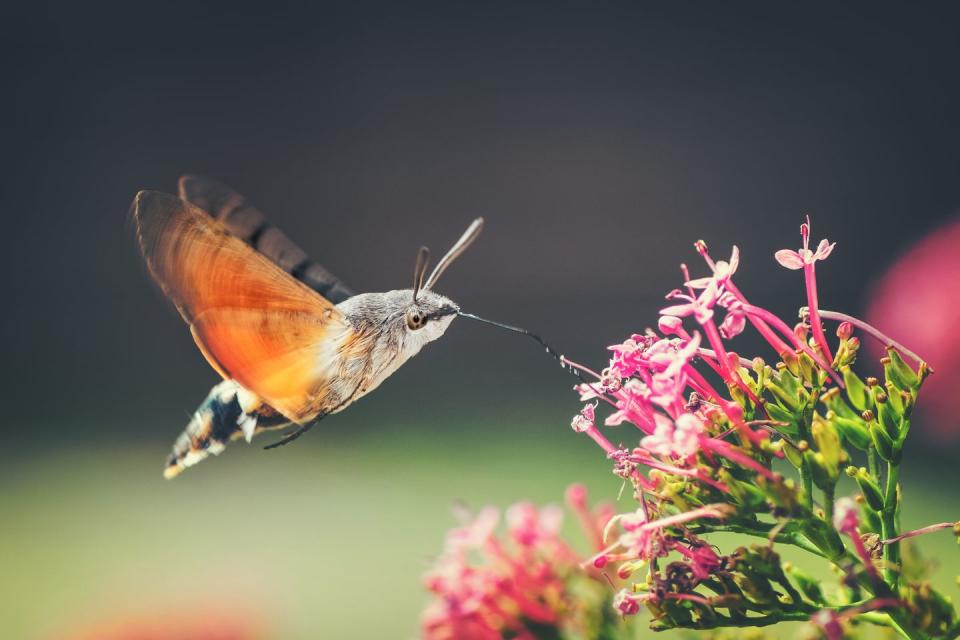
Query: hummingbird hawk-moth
[(292, 343)]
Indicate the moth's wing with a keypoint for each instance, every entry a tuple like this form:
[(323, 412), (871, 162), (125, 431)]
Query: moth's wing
[(253, 322), (245, 221)]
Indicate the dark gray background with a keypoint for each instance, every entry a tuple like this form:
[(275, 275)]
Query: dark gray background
[(599, 140)]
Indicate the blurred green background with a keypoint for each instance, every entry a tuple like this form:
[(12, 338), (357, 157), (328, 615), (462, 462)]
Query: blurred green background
[(598, 140)]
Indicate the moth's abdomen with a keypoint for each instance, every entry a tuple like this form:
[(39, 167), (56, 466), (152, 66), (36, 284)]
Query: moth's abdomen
[(221, 417)]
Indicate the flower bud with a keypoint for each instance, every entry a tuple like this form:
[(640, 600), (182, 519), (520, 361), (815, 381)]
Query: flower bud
[(793, 454), (853, 430), (887, 417), (856, 389), (828, 446), (821, 472), (882, 442), (894, 398), (778, 413), (808, 586), (844, 330), (909, 400), (898, 371), (868, 487), (670, 325)]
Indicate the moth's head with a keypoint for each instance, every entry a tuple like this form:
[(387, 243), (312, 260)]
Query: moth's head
[(428, 314), (416, 316)]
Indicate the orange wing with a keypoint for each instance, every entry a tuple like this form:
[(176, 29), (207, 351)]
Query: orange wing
[(253, 322)]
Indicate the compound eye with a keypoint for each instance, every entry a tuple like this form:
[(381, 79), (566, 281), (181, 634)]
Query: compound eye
[(415, 319)]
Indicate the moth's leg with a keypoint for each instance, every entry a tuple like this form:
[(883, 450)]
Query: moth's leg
[(302, 429), (296, 433)]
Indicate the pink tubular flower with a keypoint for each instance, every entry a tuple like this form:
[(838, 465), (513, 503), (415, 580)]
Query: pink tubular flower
[(722, 270), (675, 439), (804, 256), (846, 516), (584, 420), (805, 259), (700, 307), (846, 520)]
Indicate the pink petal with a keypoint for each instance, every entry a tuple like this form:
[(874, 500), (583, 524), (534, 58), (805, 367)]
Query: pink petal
[(734, 260), (699, 283), (733, 325), (789, 259), (824, 249), (679, 310)]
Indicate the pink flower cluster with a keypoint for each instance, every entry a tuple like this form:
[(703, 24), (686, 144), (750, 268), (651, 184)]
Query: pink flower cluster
[(686, 423), (488, 586)]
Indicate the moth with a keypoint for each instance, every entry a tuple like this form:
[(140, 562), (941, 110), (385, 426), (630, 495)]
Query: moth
[(292, 342)]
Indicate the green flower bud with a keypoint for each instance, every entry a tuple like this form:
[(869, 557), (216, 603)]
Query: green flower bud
[(909, 401), (856, 389), (808, 586), (833, 401), (808, 369), (794, 455), (887, 416), (883, 443), (789, 403), (828, 446), (743, 492), (871, 521), (898, 371), (894, 398), (853, 430), (824, 536), (820, 470), (868, 487), (778, 413)]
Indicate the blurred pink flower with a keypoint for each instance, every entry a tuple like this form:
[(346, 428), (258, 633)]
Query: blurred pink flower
[(916, 303), (517, 585), (199, 624)]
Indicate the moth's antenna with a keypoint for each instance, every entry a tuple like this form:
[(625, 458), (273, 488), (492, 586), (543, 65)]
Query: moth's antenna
[(458, 247), (550, 350), (419, 269)]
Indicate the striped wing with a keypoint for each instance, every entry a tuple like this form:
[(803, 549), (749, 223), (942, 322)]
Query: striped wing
[(253, 322), (245, 221)]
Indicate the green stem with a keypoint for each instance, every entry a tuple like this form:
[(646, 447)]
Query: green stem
[(888, 521), (785, 538), (806, 481), (828, 500)]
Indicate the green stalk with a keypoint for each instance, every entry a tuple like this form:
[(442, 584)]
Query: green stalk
[(888, 521), (872, 462), (828, 501), (806, 481)]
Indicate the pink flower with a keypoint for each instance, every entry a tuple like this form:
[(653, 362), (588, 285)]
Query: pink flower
[(829, 621), (722, 271), (701, 307), (804, 256), (736, 319), (680, 439), (627, 603), (584, 420), (846, 516), (529, 526), (474, 532)]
